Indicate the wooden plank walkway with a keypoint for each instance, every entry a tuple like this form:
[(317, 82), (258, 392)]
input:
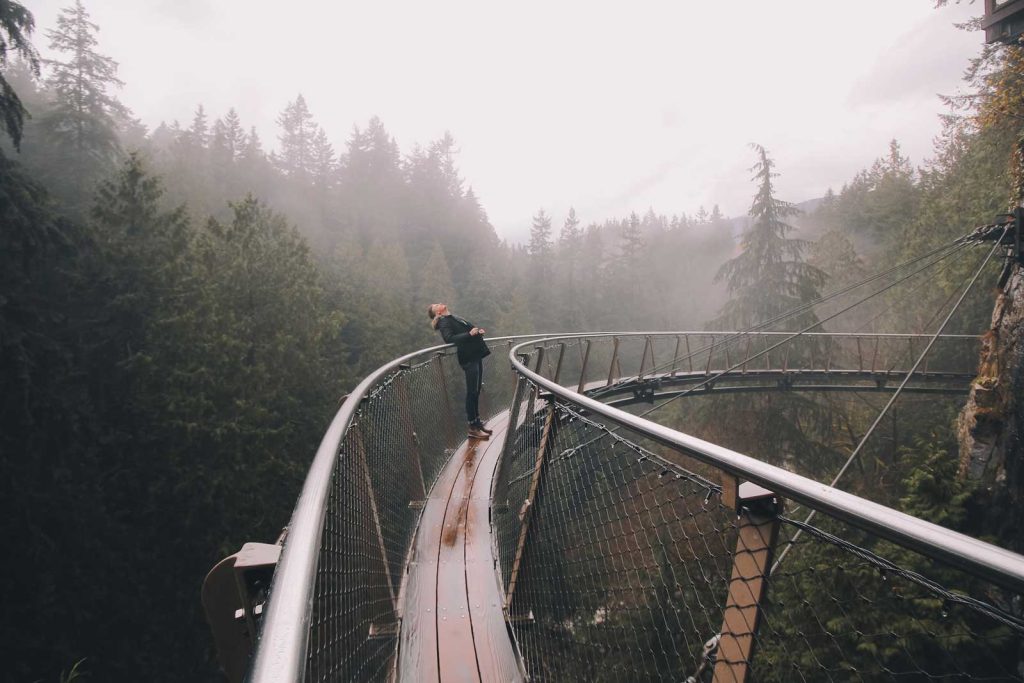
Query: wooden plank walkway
[(453, 626)]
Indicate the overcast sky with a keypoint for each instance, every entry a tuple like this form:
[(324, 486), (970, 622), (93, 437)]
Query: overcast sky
[(608, 107)]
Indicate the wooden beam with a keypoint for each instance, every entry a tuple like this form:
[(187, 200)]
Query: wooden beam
[(360, 454), (442, 380), (755, 543), (408, 431), (583, 369), (529, 504)]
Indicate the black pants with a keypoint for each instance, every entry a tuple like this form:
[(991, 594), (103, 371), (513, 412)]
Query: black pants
[(474, 382)]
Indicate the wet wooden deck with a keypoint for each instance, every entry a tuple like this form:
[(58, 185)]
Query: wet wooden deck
[(453, 625)]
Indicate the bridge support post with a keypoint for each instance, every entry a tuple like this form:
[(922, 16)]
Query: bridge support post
[(648, 350), (612, 375), (536, 390), (526, 513), (378, 529), (759, 511), (442, 379), (583, 369), (408, 430), (558, 366)]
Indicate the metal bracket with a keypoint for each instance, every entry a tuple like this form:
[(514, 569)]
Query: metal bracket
[(645, 392), (757, 500)]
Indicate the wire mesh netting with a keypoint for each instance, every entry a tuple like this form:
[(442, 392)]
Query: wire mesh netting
[(620, 561), (847, 606), (404, 432), (618, 557), (616, 561), (619, 565)]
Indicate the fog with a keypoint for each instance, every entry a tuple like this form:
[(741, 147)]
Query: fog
[(564, 104)]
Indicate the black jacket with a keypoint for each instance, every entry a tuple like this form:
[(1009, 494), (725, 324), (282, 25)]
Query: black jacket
[(455, 330)]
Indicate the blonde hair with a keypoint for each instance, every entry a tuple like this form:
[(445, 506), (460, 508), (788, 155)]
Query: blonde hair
[(433, 316)]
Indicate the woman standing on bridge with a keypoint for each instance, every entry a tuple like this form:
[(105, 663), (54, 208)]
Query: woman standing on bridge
[(471, 349)]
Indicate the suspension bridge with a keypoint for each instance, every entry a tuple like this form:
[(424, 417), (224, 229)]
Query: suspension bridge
[(585, 541)]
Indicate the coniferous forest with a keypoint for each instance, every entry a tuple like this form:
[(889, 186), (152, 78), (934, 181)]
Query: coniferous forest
[(182, 307)]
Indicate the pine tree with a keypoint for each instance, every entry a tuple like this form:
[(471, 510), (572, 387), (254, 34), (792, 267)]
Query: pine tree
[(631, 243), (234, 134), (372, 188), (81, 125), (769, 276), (435, 282), (540, 236), (569, 244), (85, 115), (322, 161), (199, 131), (16, 27), (298, 130)]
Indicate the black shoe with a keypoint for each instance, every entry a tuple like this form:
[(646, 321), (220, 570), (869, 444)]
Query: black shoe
[(479, 426)]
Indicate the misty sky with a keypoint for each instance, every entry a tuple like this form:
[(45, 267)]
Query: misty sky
[(609, 107)]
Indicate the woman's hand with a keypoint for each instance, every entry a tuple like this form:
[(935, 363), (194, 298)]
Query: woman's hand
[(477, 331)]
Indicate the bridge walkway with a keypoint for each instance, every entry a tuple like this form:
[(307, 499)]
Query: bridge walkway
[(453, 625)]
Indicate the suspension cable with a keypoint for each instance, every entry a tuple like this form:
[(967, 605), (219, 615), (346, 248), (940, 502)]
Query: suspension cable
[(896, 394)]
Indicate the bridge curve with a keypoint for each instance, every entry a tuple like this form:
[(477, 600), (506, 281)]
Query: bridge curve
[(393, 485)]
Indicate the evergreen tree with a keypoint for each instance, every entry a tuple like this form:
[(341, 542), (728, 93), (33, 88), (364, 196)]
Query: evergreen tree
[(769, 276), (435, 282), (295, 159), (233, 134), (372, 189), (199, 131), (631, 243), (540, 236), (541, 287), (322, 161), (81, 124), (569, 243), (16, 27)]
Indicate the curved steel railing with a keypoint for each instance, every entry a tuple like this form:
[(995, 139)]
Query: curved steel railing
[(281, 651), (1000, 566), (629, 550), (294, 633)]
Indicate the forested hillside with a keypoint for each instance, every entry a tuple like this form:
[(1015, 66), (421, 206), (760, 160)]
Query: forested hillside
[(182, 308)]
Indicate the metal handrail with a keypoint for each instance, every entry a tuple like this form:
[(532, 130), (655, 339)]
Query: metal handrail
[(280, 653), (996, 564)]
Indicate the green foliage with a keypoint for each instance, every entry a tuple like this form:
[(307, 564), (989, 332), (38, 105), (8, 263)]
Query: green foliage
[(16, 26), (73, 141), (168, 371), (830, 609), (769, 276)]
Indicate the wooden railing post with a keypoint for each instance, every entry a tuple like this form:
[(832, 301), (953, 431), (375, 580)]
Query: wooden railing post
[(442, 380), (558, 365), (759, 511), (360, 453), (513, 416), (643, 359), (583, 369), (526, 512), (615, 360), (675, 357), (536, 390), (408, 430)]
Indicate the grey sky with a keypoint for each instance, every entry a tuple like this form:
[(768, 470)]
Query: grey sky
[(610, 107)]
